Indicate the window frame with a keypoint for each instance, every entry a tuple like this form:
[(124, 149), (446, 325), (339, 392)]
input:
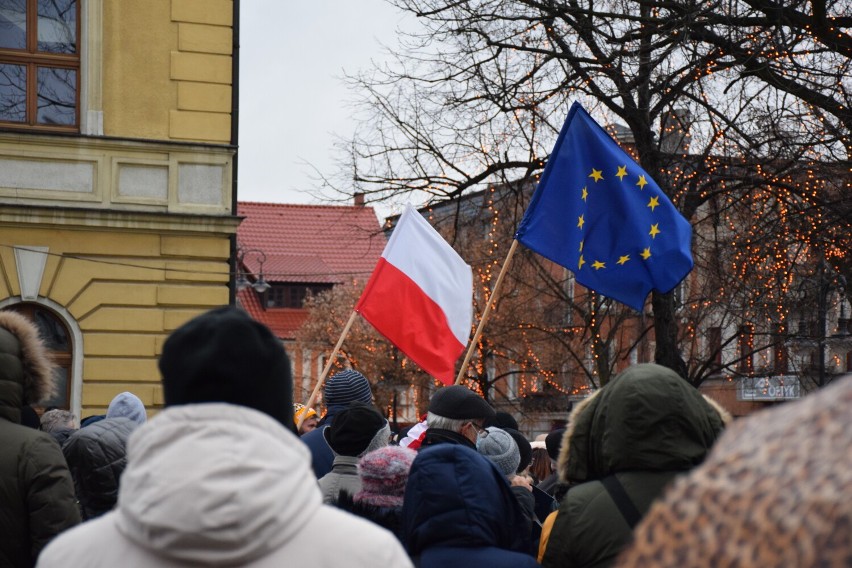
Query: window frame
[(32, 59)]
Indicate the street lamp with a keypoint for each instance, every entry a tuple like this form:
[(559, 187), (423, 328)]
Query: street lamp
[(242, 282)]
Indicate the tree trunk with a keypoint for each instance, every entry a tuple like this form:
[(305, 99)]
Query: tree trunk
[(667, 352)]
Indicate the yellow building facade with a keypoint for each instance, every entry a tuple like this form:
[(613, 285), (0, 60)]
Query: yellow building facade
[(117, 169)]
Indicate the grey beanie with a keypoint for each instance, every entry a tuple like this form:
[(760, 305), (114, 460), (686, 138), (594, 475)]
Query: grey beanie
[(127, 405), (499, 447)]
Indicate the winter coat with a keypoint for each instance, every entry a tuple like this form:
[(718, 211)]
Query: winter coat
[(36, 494), (342, 477), (225, 485), (775, 491), (389, 518), (645, 427), (96, 456), (322, 456), (459, 511), (435, 436)]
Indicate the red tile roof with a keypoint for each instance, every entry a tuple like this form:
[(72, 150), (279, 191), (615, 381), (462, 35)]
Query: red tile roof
[(310, 243), (282, 321)]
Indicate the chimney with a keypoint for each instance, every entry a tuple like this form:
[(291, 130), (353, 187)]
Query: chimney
[(358, 199)]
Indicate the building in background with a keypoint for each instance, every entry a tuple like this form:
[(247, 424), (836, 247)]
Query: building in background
[(117, 169), (286, 252)]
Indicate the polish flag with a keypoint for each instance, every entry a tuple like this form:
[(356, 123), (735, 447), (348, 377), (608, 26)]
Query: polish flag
[(420, 297)]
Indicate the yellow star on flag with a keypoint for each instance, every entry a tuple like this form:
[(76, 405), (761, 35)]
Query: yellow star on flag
[(646, 254), (580, 222), (623, 259), (655, 230), (655, 202), (622, 171), (597, 265), (596, 174), (581, 262), (581, 245), (642, 182), (585, 194)]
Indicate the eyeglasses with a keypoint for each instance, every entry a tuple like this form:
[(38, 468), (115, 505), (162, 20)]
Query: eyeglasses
[(480, 431)]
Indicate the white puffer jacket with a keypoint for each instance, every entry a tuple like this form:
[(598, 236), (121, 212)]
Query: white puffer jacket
[(221, 485)]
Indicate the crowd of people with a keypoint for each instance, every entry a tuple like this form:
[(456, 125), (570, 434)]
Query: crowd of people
[(646, 472)]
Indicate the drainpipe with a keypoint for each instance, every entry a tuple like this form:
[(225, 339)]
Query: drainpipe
[(235, 131)]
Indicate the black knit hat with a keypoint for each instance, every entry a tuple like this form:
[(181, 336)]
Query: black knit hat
[(459, 403), (352, 429), (502, 419), (553, 442), (524, 448), (226, 356)]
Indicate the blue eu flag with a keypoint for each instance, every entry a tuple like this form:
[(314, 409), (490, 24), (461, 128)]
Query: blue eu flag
[(599, 214)]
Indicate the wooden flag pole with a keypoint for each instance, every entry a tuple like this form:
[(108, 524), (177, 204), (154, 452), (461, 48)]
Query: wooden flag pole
[(491, 301), (313, 398)]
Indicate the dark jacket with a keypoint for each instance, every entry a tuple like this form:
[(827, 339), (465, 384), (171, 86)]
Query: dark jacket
[(459, 512), (436, 436), (97, 456), (645, 427), (386, 517), (36, 494), (322, 457)]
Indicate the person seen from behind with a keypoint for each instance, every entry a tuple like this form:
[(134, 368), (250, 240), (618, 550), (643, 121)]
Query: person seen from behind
[(622, 447), (36, 493), (219, 476)]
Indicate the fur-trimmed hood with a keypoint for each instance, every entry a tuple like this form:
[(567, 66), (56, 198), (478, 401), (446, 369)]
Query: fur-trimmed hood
[(26, 371), (646, 419)]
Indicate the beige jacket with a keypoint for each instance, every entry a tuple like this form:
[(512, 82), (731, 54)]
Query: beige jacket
[(221, 485)]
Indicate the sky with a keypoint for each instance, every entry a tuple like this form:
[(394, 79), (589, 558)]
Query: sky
[(292, 97)]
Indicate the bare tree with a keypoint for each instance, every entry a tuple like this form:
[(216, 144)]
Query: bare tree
[(479, 94)]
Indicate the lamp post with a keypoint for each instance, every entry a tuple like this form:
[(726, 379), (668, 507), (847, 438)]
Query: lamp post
[(242, 282)]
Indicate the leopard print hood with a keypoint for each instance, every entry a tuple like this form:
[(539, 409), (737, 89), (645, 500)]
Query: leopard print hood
[(775, 491), (646, 419), (26, 371)]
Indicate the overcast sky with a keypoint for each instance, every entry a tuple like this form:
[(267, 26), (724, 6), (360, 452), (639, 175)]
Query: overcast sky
[(292, 97)]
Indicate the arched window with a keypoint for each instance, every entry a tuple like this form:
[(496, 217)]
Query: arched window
[(57, 339)]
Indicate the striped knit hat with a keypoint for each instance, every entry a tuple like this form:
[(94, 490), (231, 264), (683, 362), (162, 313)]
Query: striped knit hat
[(345, 387)]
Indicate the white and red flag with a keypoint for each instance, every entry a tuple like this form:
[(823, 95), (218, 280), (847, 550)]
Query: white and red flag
[(420, 296)]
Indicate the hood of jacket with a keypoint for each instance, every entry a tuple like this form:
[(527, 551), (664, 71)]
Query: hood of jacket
[(646, 419), (454, 497), (26, 372), (215, 484)]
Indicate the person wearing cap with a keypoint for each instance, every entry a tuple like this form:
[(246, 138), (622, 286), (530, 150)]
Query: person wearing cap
[(36, 493), (458, 510), (219, 478), (310, 420), (456, 416), (339, 390), (501, 449), (384, 474), (355, 430)]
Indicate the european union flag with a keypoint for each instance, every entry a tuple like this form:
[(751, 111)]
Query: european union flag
[(599, 214)]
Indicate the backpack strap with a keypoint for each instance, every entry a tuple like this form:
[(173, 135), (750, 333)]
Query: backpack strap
[(625, 506)]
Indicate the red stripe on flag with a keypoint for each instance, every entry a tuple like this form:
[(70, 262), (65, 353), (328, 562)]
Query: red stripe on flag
[(396, 306)]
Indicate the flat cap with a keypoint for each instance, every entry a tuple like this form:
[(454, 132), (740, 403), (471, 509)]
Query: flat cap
[(460, 403)]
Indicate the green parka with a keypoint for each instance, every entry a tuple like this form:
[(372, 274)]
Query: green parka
[(645, 427), (36, 493)]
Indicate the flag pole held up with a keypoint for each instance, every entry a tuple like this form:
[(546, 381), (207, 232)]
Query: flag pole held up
[(492, 299), (313, 398)]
